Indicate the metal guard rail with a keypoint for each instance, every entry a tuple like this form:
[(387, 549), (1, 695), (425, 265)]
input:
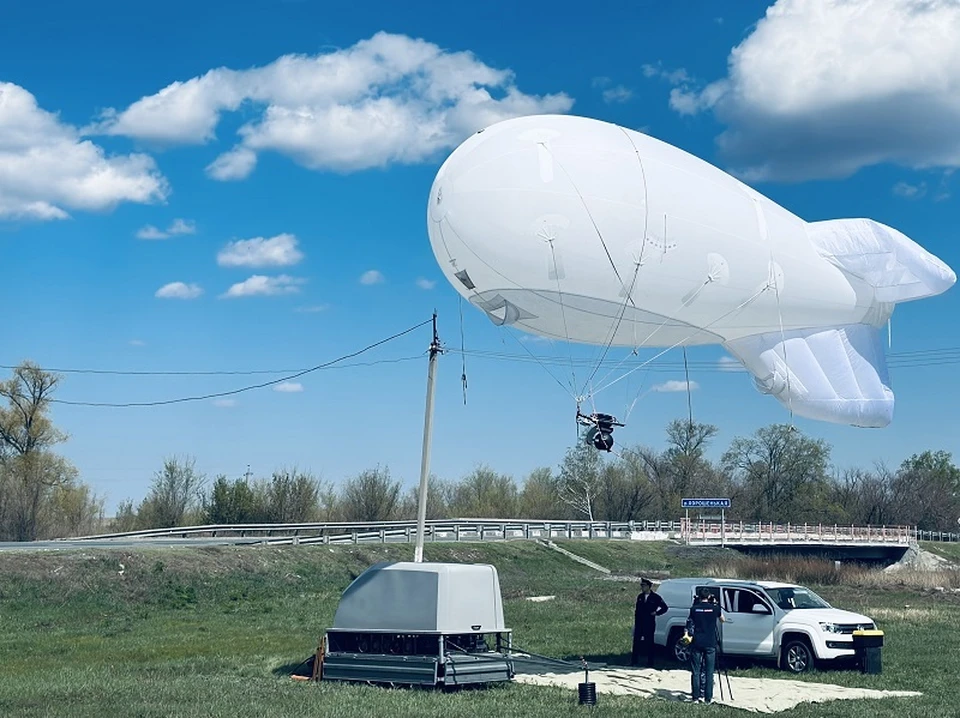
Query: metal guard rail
[(481, 529)]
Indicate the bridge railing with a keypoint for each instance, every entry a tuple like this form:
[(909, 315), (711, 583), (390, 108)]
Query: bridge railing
[(739, 532), (448, 529)]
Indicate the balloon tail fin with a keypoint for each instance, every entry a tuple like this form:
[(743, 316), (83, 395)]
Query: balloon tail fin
[(836, 374)]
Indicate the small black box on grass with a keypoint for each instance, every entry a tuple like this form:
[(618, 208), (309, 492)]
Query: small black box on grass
[(867, 646)]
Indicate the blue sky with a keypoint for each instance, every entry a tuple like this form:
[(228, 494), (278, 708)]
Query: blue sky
[(196, 150)]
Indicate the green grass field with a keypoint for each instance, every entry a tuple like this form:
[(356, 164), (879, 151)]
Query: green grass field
[(218, 631)]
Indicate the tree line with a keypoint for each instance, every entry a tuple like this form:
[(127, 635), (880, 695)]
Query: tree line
[(776, 474)]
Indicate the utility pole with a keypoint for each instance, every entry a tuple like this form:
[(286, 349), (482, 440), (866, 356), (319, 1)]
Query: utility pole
[(435, 350)]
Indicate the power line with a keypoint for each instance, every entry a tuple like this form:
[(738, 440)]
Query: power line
[(919, 357), (212, 372), (246, 388)]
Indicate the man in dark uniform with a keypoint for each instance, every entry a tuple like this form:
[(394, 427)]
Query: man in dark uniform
[(649, 606), (702, 623)]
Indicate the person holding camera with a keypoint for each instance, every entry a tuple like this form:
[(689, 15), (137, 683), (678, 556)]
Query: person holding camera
[(702, 625)]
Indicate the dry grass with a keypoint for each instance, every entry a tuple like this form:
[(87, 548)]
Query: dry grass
[(822, 572)]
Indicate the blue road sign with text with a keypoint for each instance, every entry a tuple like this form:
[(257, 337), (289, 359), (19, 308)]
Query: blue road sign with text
[(705, 503)]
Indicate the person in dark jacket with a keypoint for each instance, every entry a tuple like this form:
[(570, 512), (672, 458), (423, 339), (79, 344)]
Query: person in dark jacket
[(649, 605), (702, 625)]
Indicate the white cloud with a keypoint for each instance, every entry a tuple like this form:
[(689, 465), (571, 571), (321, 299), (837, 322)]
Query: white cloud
[(910, 191), (137, 343), (371, 277), (151, 232), (178, 226), (182, 226), (611, 94), (47, 169), (237, 164), (278, 251), (426, 283), (179, 290), (259, 285), (288, 387), (728, 363), (387, 99), (224, 403), (313, 309), (674, 385), (822, 88)]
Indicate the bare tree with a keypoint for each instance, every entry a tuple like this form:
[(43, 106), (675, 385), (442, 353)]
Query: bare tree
[(176, 490), (484, 494), (370, 496), (579, 480)]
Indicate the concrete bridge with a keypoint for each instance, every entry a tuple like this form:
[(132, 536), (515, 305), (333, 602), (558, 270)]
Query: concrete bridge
[(864, 543)]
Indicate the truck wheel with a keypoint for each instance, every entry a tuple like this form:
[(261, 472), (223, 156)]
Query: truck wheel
[(797, 656), (680, 652)]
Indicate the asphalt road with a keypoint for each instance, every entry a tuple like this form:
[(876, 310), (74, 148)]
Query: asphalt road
[(124, 543)]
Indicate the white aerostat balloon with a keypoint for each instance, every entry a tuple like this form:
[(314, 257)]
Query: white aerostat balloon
[(581, 230)]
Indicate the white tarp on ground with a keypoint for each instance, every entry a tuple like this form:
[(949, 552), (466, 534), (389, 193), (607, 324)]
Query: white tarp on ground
[(759, 695)]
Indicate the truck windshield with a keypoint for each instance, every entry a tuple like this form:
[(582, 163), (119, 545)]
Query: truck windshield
[(796, 597)]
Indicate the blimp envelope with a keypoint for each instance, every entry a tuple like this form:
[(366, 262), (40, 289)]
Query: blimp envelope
[(580, 230)]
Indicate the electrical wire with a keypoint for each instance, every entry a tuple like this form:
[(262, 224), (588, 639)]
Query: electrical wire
[(916, 358), (251, 387), (237, 372)]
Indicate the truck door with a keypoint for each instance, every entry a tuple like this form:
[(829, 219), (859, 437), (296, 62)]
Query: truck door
[(749, 626)]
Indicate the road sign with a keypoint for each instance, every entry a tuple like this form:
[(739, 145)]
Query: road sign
[(705, 503)]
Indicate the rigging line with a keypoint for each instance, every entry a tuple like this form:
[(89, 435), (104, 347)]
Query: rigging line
[(527, 350), (686, 371), (783, 343), (463, 353), (762, 226), (589, 215), (616, 328), (563, 314), (662, 324), (254, 386), (675, 345), (646, 213)]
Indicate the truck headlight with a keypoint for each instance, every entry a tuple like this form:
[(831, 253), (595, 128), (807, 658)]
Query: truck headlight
[(829, 627)]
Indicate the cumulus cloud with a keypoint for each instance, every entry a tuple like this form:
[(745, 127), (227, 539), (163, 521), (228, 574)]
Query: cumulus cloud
[(612, 93), (178, 226), (371, 277), (674, 385), (728, 363), (387, 99), (179, 290), (822, 88), (426, 283), (47, 169), (289, 387), (278, 251), (261, 286), (910, 191)]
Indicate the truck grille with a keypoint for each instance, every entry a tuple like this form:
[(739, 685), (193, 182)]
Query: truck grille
[(851, 627)]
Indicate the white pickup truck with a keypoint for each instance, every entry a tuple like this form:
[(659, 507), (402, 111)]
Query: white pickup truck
[(764, 620)]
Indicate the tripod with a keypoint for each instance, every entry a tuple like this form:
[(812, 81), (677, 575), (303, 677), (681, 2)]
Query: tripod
[(719, 667)]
